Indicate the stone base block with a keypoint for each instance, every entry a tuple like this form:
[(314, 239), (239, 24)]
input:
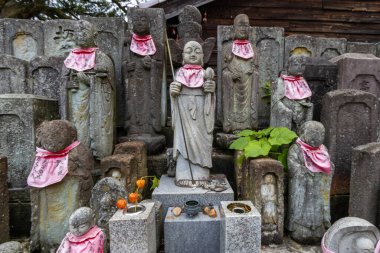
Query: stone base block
[(224, 140), (171, 195), (200, 234), (133, 232), (240, 228), (154, 144)]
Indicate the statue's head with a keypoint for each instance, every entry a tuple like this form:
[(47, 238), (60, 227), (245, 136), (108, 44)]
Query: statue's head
[(55, 135), (116, 174), (140, 20), (312, 133), (296, 65), (81, 221), (190, 13), (269, 178), (85, 34), (241, 27), (192, 53), (363, 245)]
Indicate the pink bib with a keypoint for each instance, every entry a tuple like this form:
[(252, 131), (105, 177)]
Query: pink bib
[(316, 159), (142, 45), (81, 59), (377, 249), (243, 49), (50, 167), (323, 246), (296, 87), (191, 76), (91, 242)]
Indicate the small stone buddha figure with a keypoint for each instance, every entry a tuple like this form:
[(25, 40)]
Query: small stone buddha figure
[(90, 80), (310, 175), (193, 106), (269, 199), (238, 82), (84, 235), (290, 100)]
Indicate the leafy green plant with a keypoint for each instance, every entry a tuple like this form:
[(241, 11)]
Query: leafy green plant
[(267, 90), (270, 142)]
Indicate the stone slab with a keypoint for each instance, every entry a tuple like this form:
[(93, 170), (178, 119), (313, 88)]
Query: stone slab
[(200, 234), (240, 232), (171, 195), (2, 37), (361, 47), (4, 198), (19, 209), (58, 37), (13, 75), (131, 233)]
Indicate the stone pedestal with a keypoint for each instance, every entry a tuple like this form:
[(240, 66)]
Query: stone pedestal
[(171, 195), (239, 231), (4, 198), (131, 233), (200, 234), (154, 143)]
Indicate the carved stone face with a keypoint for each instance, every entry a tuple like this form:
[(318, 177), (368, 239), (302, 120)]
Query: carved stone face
[(85, 34), (81, 221), (296, 65), (140, 21), (269, 179), (313, 133), (192, 53), (241, 26), (363, 245)]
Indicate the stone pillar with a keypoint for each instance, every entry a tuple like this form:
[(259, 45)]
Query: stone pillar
[(4, 198), (365, 183)]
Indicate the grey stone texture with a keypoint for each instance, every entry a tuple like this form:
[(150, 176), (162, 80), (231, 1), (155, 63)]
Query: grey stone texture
[(4, 199), (365, 183), (351, 118), (20, 115), (58, 37), (171, 195), (159, 220), (24, 38), (130, 233), (240, 232), (321, 76), (351, 235), (13, 75), (361, 48), (11, 247), (55, 203), (199, 234), (2, 37)]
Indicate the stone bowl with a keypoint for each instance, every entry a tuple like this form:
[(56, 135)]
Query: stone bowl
[(192, 208), (134, 209), (239, 208)]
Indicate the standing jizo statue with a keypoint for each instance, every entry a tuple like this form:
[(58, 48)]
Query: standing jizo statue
[(310, 175), (193, 109), (90, 82), (290, 103)]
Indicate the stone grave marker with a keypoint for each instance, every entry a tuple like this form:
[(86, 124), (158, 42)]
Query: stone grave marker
[(4, 198), (58, 37), (13, 75)]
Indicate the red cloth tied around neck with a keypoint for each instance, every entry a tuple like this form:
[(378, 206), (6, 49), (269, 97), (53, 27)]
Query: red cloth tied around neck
[(377, 249), (316, 159), (142, 45), (296, 87), (50, 167), (191, 76), (243, 49), (91, 242), (81, 59), (323, 246)]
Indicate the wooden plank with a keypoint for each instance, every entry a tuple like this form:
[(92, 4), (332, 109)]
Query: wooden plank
[(366, 6)]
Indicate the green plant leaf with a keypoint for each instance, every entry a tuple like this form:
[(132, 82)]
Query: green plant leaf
[(257, 148), (155, 183), (245, 133), (281, 135), (240, 143), (283, 157), (266, 131)]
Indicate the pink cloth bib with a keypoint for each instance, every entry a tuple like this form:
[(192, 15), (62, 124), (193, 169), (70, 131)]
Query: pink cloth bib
[(316, 159), (377, 249), (50, 167), (142, 45), (91, 242), (191, 76), (81, 59), (323, 246), (296, 87), (243, 49)]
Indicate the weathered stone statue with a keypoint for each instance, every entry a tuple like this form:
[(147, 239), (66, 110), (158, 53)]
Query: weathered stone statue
[(310, 175), (84, 235), (269, 198), (144, 70), (90, 81), (239, 94), (351, 235), (60, 182), (193, 109), (290, 100)]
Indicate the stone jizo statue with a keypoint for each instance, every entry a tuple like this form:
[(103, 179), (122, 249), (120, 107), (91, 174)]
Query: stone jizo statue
[(310, 175), (290, 100), (193, 106), (269, 198)]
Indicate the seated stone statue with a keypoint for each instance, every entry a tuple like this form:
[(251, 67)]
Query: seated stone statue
[(310, 175), (90, 80), (193, 106), (84, 236), (290, 100)]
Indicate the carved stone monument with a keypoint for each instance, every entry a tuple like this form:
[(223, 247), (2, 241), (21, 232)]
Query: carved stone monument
[(90, 79), (4, 198), (350, 235), (13, 75), (2, 37), (361, 48), (351, 119), (193, 104), (54, 196), (238, 76), (144, 72), (310, 175), (365, 183), (59, 37), (290, 100)]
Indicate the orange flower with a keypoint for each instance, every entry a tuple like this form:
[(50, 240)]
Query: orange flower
[(140, 183), (133, 197), (121, 203)]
